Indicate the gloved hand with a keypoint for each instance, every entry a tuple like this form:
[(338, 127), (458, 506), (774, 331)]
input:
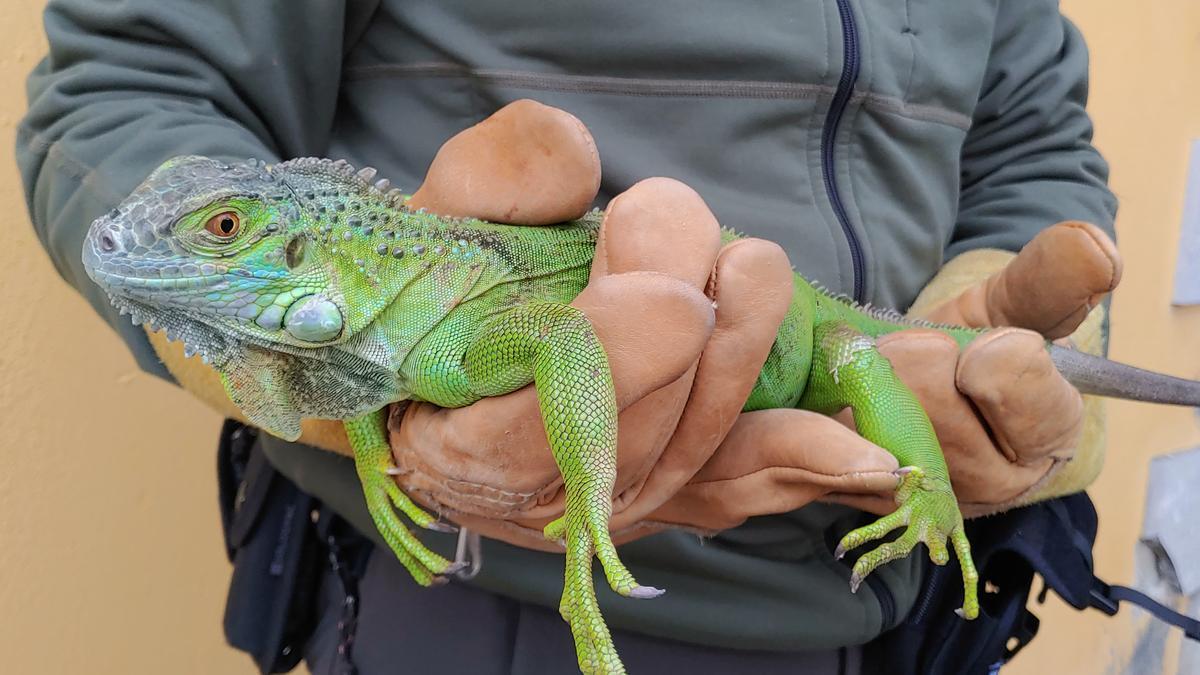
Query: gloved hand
[(1007, 421)]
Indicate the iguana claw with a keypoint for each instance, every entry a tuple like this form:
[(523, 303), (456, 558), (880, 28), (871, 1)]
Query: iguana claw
[(441, 526), (930, 511)]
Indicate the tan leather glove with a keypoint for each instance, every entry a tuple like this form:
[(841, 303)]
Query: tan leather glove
[(1012, 429)]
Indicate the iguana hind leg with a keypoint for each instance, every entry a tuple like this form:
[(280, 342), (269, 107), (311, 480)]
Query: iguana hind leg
[(848, 372), (555, 346), (373, 459)]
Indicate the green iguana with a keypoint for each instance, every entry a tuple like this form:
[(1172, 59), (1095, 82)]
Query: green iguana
[(315, 292)]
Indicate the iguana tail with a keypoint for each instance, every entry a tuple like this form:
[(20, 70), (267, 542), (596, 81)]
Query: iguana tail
[(1099, 376)]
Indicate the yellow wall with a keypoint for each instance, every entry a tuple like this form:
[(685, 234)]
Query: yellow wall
[(111, 559), (110, 556), (1144, 99)]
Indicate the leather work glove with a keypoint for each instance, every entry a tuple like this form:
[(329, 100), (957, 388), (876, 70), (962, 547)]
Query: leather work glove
[(1015, 431)]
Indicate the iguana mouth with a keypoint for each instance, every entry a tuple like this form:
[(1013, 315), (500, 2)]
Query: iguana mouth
[(133, 284)]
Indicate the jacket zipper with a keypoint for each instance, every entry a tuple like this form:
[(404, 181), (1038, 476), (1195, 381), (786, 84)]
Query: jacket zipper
[(841, 98), (925, 602), (887, 602)]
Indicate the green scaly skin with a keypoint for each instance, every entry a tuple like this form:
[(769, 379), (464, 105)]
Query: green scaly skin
[(332, 300)]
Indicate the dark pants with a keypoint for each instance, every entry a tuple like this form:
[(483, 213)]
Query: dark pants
[(453, 629)]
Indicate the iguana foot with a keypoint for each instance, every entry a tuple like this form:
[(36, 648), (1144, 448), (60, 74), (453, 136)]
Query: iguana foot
[(584, 533), (373, 460), (384, 497), (930, 510)]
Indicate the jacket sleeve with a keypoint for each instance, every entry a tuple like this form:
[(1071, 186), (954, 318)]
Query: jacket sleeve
[(127, 85), (1028, 161)]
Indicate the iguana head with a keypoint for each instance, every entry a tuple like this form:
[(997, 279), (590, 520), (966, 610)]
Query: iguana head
[(231, 245), (242, 261)]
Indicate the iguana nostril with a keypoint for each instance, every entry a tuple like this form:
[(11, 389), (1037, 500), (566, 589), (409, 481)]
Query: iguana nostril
[(107, 243)]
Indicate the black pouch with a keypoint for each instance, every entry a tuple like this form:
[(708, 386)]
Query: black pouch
[(274, 548), (1052, 539)]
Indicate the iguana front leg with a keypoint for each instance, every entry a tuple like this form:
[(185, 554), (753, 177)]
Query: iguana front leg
[(848, 371), (373, 459), (555, 346)]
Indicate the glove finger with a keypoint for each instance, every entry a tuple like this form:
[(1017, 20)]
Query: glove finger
[(1032, 411), (658, 229), (658, 225), (527, 164), (1049, 287), (752, 288), (653, 328), (775, 461)]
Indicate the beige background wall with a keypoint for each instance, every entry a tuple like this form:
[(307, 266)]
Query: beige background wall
[(110, 554), (1146, 104), (111, 559)]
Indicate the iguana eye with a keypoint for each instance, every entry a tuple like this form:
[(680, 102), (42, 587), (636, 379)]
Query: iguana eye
[(224, 225)]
